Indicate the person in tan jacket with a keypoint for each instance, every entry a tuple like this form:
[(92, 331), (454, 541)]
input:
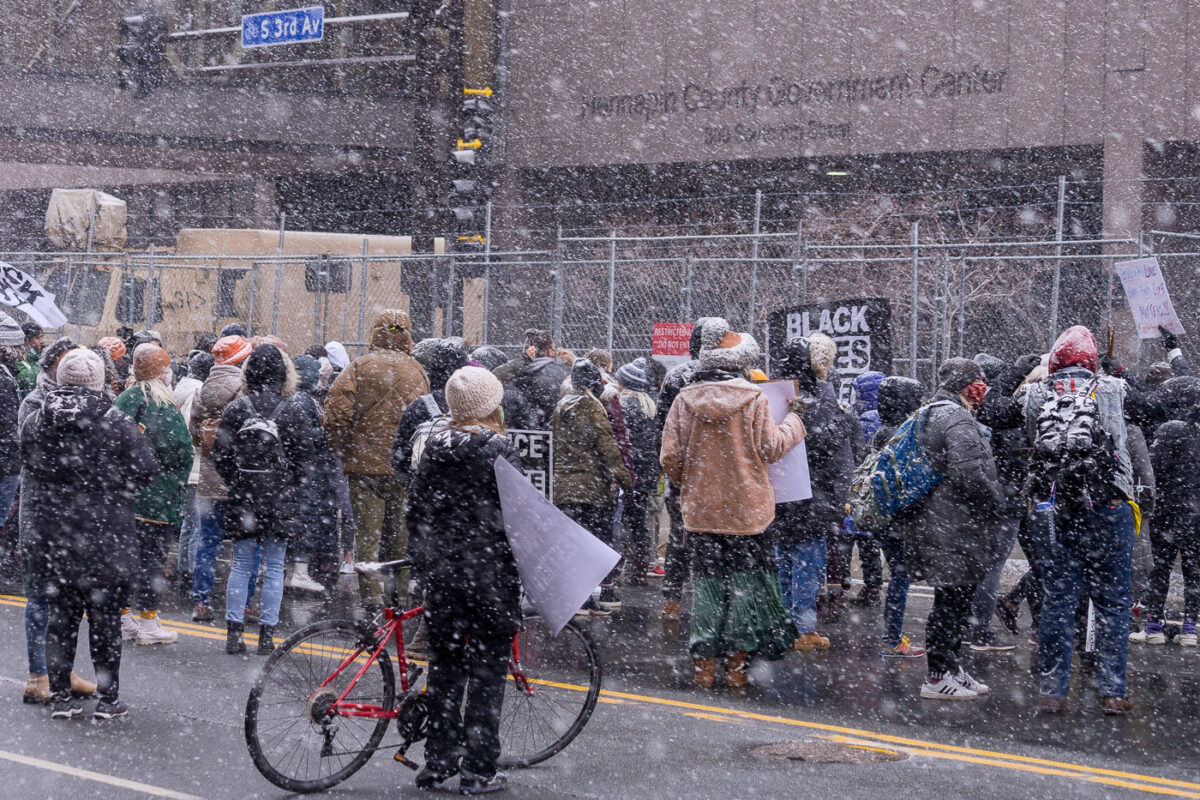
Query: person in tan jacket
[(717, 443), (362, 413)]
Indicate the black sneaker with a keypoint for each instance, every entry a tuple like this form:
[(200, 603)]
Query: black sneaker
[(430, 779), (66, 708), (107, 710), (988, 643), (609, 599), (470, 783), (1007, 612)]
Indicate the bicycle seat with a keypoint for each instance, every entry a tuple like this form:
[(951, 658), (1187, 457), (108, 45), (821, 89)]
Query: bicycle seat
[(380, 567)]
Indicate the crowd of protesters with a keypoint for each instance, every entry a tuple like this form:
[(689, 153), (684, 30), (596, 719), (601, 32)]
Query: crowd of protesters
[(115, 452)]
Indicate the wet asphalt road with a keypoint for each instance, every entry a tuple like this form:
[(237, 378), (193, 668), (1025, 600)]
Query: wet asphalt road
[(652, 735)]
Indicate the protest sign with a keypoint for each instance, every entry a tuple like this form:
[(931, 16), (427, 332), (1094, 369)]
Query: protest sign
[(789, 475), (861, 328), (23, 293), (1146, 290), (537, 455), (560, 563)]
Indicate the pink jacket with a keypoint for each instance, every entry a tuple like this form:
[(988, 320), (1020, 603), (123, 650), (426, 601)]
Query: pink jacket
[(717, 443)]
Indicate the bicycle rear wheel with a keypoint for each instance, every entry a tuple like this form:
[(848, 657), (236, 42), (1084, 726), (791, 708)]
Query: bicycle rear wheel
[(295, 743), (550, 692)]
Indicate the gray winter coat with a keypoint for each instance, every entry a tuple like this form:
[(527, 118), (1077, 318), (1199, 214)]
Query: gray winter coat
[(949, 536)]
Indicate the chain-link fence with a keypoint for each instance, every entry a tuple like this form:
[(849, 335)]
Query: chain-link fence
[(946, 298)]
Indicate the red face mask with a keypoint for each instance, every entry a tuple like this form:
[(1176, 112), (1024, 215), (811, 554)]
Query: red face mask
[(975, 393)]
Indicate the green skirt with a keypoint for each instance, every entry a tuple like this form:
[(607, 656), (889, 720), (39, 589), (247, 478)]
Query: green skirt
[(736, 602)]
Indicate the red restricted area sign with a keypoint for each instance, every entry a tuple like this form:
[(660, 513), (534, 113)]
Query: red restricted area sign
[(671, 338)]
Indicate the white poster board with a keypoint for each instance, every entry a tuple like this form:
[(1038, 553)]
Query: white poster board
[(1149, 301), (25, 294), (789, 475), (560, 563)]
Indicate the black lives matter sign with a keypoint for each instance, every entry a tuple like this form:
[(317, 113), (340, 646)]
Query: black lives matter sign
[(862, 329), (537, 457)]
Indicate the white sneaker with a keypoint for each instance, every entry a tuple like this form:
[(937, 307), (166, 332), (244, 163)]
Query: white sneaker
[(948, 688), (300, 580), (1141, 637), (129, 626), (967, 682), (151, 631), (347, 568), (1186, 640)]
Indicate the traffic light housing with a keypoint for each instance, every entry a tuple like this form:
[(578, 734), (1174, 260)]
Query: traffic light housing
[(142, 52), (471, 185)]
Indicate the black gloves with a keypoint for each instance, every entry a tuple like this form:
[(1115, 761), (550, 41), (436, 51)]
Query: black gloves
[(1169, 340), (1011, 377), (1111, 366)]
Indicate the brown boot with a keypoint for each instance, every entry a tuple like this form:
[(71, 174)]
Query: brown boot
[(670, 611), (810, 641), (81, 687), (37, 689), (706, 673), (1115, 706), (735, 669)]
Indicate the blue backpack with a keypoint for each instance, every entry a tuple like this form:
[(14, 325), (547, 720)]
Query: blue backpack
[(897, 477)]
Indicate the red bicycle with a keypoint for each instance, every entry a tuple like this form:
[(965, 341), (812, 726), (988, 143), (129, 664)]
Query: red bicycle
[(325, 698)]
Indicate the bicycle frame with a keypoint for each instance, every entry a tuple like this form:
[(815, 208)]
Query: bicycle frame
[(390, 630)]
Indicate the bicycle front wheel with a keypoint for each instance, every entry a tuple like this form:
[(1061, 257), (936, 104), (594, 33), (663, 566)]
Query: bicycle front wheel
[(552, 687), (296, 742)]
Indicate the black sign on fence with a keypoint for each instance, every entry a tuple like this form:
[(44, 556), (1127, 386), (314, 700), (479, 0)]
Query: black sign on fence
[(862, 329), (537, 456)]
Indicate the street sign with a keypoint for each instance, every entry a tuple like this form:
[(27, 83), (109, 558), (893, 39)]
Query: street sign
[(283, 27), (671, 338)]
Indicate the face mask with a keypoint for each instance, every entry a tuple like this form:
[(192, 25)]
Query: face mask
[(975, 394)]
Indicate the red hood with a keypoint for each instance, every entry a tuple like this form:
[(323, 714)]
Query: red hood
[(1075, 347)]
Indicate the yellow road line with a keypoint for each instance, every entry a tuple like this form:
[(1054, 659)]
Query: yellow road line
[(99, 777), (1130, 780)]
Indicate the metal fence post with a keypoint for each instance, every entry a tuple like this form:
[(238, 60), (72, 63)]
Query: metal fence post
[(278, 274), (754, 258), (362, 294), (556, 300), (253, 292), (797, 262), (912, 332), (689, 265), (152, 290), (962, 304), (612, 280), (487, 267), (434, 298), (1056, 288), (451, 299)]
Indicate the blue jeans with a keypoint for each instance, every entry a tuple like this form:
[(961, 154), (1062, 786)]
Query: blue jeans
[(896, 599), (187, 534), (1089, 554), (8, 492), (801, 573), (211, 514), (37, 614), (242, 572)]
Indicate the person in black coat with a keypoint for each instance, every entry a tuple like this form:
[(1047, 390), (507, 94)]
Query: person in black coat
[(445, 359), (1176, 530), (317, 552), (804, 531), (84, 461), (262, 450), (898, 399), (638, 407), (461, 556), (534, 392)]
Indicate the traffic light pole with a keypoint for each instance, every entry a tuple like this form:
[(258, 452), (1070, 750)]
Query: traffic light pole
[(487, 267)]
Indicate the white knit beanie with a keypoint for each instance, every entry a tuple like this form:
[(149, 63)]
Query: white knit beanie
[(81, 367), (473, 394), (822, 352)]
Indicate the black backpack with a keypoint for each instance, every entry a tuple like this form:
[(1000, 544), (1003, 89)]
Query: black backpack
[(258, 451), (1074, 458)]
